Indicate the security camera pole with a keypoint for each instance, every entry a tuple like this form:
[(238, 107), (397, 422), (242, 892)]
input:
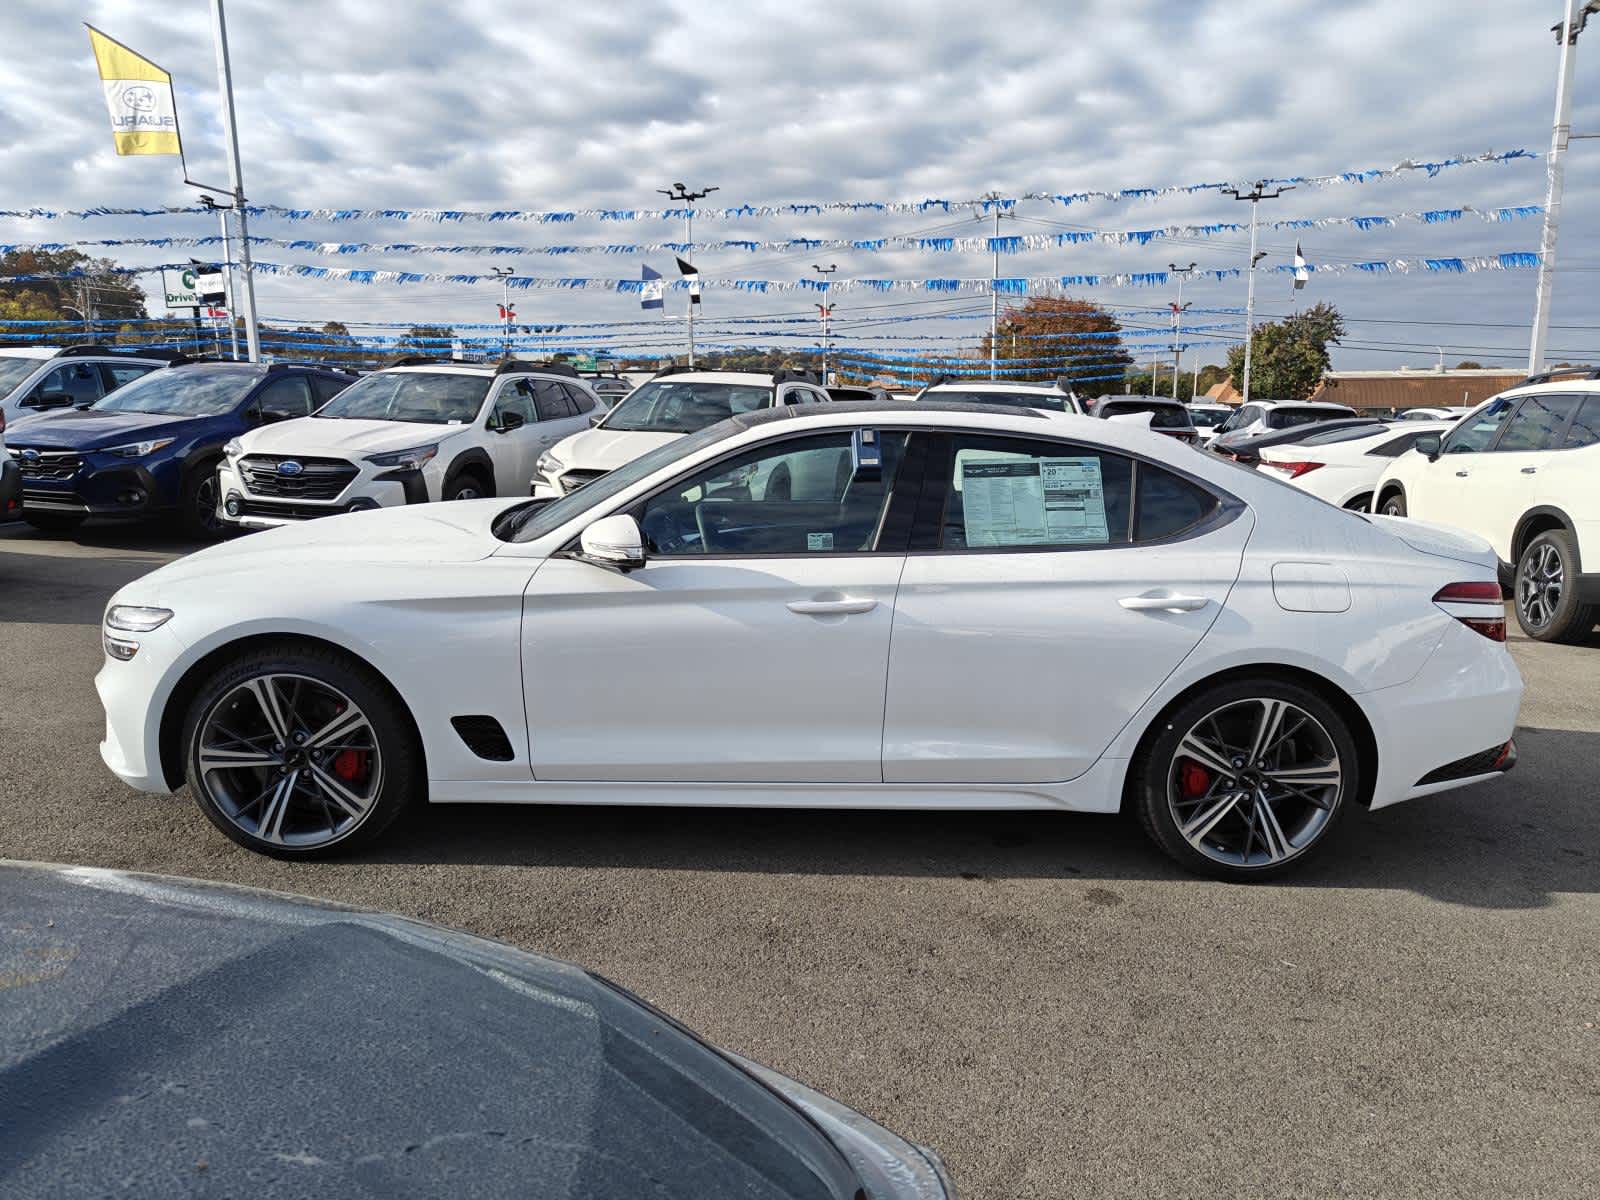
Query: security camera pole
[(826, 309), (1178, 309), (1566, 32), (236, 176), (227, 266), (504, 274), (1255, 195), (687, 198)]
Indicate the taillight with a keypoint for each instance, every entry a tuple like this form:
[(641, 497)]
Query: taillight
[(1295, 469), (1477, 604)]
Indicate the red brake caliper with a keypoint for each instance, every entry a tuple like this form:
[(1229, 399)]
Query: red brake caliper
[(352, 766), (1193, 779)]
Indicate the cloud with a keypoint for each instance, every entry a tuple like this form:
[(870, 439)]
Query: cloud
[(406, 103)]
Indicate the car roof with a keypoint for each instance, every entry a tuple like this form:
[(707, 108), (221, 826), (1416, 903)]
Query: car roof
[(1321, 404), (752, 378), (37, 352), (1163, 401), (991, 385)]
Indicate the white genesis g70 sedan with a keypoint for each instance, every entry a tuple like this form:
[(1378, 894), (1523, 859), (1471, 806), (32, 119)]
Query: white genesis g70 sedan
[(941, 606)]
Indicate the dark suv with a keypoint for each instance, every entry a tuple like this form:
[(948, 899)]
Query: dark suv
[(151, 448)]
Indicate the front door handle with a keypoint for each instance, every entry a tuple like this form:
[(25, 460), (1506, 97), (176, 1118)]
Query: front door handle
[(1530, 470), (833, 608), (1171, 602), (1461, 474)]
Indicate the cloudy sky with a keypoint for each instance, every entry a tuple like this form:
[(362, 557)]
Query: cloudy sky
[(507, 105)]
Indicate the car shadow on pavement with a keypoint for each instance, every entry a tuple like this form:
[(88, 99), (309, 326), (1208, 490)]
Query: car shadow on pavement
[(1509, 843)]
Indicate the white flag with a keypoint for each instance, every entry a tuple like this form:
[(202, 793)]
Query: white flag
[(1302, 273)]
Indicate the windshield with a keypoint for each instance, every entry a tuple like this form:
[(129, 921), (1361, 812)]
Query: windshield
[(180, 392), (1205, 418), (1162, 416), (431, 397), (533, 520), (684, 406), (14, 370), (1054, 401)]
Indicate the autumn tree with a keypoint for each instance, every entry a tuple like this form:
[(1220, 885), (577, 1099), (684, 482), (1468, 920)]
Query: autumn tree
[(1079, 338), (93, 290), (1289, 357)]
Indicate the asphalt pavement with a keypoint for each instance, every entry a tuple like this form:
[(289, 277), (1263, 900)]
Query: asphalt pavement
[(1042, 998)]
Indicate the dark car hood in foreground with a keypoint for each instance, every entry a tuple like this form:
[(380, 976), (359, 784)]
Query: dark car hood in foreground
[(162, 1037), (95, 429)]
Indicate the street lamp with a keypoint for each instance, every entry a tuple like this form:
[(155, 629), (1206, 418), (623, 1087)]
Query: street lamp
[(504, 274), (826, 310), (1178, 308), (687, 198), (1255, 195)]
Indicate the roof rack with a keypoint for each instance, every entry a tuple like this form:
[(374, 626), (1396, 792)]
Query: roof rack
[(1561, 373), (342, 368), (83, 351), (518, 366), (790, 374), (414, 360), (674, 369)]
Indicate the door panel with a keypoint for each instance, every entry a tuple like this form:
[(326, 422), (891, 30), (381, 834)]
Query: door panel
[(1505, 481), (699, 670)]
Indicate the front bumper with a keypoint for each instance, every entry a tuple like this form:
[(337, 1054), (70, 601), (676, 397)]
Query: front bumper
[(239, 507), (134, 694), (10, 488), (100, 488)]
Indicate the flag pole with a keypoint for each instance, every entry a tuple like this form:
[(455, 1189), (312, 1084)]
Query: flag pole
[(236, 177)]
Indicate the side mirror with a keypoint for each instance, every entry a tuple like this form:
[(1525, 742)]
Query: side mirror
[(615, 541), (52, 400), (1429, 444), (510, 421)]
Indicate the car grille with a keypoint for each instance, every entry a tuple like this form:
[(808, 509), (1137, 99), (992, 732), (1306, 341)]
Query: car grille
[(319, 478), (571, 481), (51, 464), (286, 512)]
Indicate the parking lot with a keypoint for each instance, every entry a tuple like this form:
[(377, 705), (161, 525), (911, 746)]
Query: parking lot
[(1042, 998)]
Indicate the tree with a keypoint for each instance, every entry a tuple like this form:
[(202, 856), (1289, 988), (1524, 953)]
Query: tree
[(1058, 328), (96, 291), (1289, 357), (1469, 365)]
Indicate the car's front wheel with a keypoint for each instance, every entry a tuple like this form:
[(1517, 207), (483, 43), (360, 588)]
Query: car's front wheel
[(1393, 504), (1548, 607), (299, 751), (1245, 780)]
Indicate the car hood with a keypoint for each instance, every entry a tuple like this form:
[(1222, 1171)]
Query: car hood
[(420, 534), (95, 429), (332, 435), (1441, 541), (267, 1030), (607, 449)]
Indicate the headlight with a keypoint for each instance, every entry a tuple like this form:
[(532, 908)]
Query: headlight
[(138, 449), (548, 464), (410, 460), (233, 449), (136, 618)]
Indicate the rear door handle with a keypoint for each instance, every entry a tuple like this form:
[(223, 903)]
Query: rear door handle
[(1530, 470), (833, 608), (1172, 602), (1461, 474)]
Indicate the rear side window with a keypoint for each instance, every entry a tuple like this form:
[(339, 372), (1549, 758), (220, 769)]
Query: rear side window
[(1288, 418), (1537, 424), (1009, 493), (1585, 428), (118, 374), (1168, 505), (326, 387), (581, 400), (552, 400)]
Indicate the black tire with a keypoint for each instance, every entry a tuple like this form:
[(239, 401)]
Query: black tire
[(402, 778), (1361, 503), (197, 514), (466, 486), (55, 523), (1393, 504), (1157, 773), (1547, 603)]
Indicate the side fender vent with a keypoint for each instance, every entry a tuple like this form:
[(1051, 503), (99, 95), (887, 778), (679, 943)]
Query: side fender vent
[(485, 737)]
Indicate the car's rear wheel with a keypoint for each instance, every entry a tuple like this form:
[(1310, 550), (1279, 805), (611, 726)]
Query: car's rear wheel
[(299, 752), (1245, 780), (1393, 504), (1548, 607), (52, 522)]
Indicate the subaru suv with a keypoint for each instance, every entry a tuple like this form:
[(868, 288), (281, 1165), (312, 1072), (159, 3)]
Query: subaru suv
[(420, 430), (151, 449), (34, 379), (1049, 397)]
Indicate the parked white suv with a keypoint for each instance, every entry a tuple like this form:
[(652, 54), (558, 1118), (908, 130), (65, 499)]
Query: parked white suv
[(1265, 416), (1052, 397), (675, 402), (1523, 471), (420, 431), (34, 379)]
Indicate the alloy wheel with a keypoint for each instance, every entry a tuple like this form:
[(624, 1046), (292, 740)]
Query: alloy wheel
[(205, 503), (1254, 783), (289, 760), (1539, 585)]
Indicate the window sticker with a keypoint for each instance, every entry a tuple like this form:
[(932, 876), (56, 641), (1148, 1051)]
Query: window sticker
[(819, 541), (1033, 501)]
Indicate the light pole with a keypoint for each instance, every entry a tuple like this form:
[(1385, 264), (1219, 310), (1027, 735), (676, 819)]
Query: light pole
[(236, 177), (1255, 195), (1178, 308), (994, 286), (687, 198), (1566, 31), (504, 274), (227, 266), (826, 309)]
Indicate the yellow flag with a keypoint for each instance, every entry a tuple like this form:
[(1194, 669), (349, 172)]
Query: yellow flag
[(144, 115)]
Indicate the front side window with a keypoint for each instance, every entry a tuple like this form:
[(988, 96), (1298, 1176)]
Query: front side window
[(185, 391), (1538, 423), (431, 397), (684, 406), (1248, 415), (1054, 401), (13, 370), (1475, 434), (1585, 428), (799, 496), (513, 398), (79, 382), (284, 399), (1013, 492), (118, 374)]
